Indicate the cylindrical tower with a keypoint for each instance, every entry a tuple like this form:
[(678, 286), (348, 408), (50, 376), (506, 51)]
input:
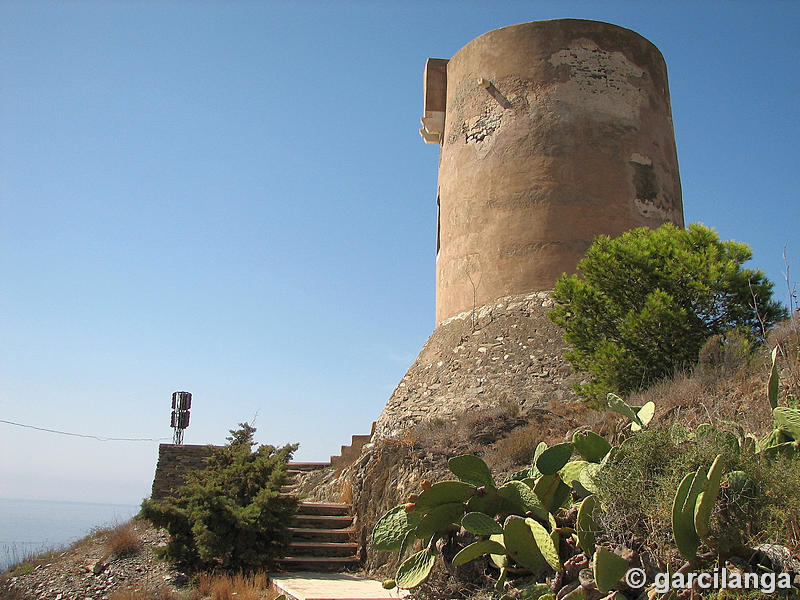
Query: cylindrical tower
[(551, 133)]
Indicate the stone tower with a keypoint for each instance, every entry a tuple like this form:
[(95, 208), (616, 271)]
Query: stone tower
[(551, 133)]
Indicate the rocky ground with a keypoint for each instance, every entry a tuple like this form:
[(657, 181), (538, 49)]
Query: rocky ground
[(89, 570)]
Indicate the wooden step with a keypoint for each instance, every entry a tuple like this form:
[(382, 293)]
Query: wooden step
[(322, 535), (318, 563), (336, 549), (322, 508), (323, 521)]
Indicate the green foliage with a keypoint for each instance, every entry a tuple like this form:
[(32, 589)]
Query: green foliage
[(444, 492), (471, 469), (521, 545), (586, 528), (478, 549), (590, 446), (686, 538), (707, 498), (635, 494), (554, 458), (608, 569), (649, 299), (391, 528), (231, 514), (480, 524), (415, 569)]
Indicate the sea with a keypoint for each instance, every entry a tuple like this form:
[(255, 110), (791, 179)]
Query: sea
[(30, 527)]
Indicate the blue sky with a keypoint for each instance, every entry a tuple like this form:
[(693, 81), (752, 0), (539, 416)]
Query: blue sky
[(233, 199)]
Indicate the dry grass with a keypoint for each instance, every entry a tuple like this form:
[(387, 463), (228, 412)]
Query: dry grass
[(231, 587), (123, 541)]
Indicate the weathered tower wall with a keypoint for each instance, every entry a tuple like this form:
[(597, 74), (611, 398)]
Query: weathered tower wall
[(551, 133)]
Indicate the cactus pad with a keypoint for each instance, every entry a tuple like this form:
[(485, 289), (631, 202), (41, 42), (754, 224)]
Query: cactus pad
[(521, 545), (686, 537), (590, 446), (774, 380), (645, 415), (486, 501), (439, 519), (444, 492), (788, 421), (480, 524), (499, 560), (586, 526), (552, 492), (415, 569), (554, 458), (608, 569), (545, 544), (471, 469), (572, 471), (618, 405), (392, 527), (477, 549), (586, 478), (519, 498), (707, 498)]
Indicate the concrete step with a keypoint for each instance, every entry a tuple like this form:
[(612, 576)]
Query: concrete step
[(318, 563), (323, 521), (337, 549), (322, 535), (322, 508), (324, 586)]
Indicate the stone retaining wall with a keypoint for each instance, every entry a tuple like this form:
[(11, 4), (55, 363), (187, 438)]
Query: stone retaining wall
[(507, 352), (174, 463)]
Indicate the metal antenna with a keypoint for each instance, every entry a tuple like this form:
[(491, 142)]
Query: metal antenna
[(179, 420)]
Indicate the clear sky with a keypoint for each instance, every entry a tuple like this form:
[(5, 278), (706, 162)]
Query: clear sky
[(233, 199)]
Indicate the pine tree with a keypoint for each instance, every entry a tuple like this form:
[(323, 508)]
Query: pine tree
[(647, 300)]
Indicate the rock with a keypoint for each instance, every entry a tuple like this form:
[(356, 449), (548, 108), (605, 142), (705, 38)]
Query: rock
[(99, 567)]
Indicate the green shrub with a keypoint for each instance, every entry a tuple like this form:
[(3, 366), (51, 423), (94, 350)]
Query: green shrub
[(231, 514), (637, 489), (648, 300)]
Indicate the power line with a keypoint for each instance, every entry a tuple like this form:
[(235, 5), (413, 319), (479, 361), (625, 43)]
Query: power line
[(81, 435)]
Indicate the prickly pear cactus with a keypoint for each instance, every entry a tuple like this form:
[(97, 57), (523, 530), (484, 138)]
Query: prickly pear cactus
[(590, 446), (683, 507), (439, 519), (415, 569), (552, 492), (480, 524), (477, 549), (521, 545), (644, 415), (586, 526), (471, 469), (774, 380), (618, 405), (392, 527), (500, 560), (444, 492), (788, 421), (572, 471), (608, 569), (545, 544), (520, 499), (554, 458), (707, 498)]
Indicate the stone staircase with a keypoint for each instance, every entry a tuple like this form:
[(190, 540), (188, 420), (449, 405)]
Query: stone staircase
[(322, 534), (350, 452)]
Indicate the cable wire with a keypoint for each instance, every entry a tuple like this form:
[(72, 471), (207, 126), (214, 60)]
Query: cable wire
[(81, 435)]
